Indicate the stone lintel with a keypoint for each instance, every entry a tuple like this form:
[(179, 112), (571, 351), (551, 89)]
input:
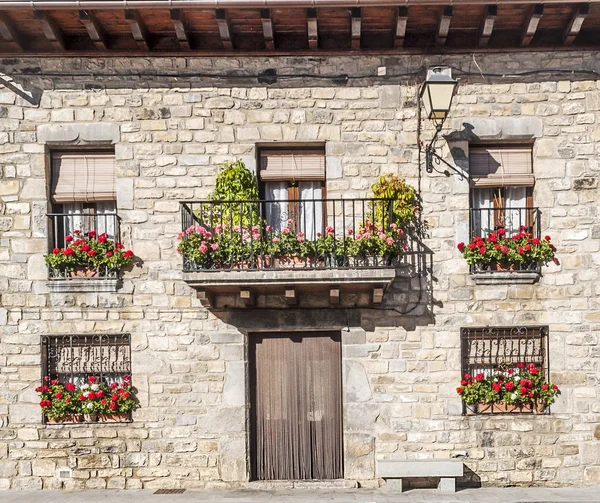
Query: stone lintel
[(506, 278), (83, 285)]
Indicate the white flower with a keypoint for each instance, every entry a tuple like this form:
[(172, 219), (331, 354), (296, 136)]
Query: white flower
[(95, 387), (85, 386), (495, 379), (89, 405), (86, 394), (513, 396)]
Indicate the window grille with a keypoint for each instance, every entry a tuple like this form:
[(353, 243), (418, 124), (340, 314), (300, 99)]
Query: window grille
[(72, 358), (487, 350)]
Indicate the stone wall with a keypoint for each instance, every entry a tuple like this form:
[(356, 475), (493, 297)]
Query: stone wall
[(401, 366)]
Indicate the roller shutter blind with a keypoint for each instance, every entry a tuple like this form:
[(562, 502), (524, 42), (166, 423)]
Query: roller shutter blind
[(501, 166), (83, 177), (292, 165)]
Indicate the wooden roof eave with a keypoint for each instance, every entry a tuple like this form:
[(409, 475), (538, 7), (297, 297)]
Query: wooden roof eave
[(250, 4)]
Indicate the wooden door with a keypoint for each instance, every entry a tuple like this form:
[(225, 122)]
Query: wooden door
[(296, 403)]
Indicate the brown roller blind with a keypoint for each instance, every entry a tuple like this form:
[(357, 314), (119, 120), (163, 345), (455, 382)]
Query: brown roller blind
[(83, 177), (292, 165), (500, 166)]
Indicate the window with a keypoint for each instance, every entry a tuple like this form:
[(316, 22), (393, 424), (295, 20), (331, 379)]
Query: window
[(293, 182), (501, 189), (73, 358), (83, 193), (492, 349)]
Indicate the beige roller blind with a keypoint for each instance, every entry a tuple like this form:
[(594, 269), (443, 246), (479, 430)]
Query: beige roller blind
[(500, 166), (292, 165), (83, 177)]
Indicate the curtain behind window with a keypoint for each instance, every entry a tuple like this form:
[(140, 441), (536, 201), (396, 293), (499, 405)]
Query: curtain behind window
[(277, 213), (311, 212), (101, 218)]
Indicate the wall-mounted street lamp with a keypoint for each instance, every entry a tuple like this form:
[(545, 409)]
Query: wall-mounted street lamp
[(437, 93)]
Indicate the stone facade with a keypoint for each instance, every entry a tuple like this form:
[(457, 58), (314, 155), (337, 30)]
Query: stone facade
[(401, 362)]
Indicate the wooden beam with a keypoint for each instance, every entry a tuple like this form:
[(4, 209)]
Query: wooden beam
[(444, 26), (94, 29), (138, 29), (224, 29), (487, 26), (334, 296), (247, 296), (267, 25), (356, 27), (51, 30), (180, 29), (531, 24), (401, 21), (313, 29), (206, 298), (574, 26), (290, 296), (377, 295), (9, 33)]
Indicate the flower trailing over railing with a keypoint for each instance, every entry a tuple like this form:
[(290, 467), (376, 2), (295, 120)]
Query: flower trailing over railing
[(501, 252), (523, 385), (235, 246), (96, 398), (88, 255)]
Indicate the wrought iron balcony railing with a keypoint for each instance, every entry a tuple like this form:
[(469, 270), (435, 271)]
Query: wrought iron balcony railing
[(81, 224), (299, 234), (485, 221)]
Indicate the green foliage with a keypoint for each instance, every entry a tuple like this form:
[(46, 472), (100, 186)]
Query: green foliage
[(522, 384), (522, 249), (89, 252), (59, 401), (403, 208), (234, 182)]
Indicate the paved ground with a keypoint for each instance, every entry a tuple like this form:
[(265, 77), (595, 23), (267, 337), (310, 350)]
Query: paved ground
[(484, 495)]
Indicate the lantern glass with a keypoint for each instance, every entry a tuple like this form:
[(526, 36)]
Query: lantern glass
[(437, 94)]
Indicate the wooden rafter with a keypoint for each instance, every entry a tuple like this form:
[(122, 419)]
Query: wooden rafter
[(51, 30), (531, 23), (444, 25), (356, 27), (138, 29), (401, 22), (313, 30), (574, 26), (8, 31), (267, 26), (94, 28), (180, 29), (487, 26), (224, 29)]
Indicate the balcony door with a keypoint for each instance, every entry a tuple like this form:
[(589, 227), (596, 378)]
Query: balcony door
[(293, 182), (296, 406)]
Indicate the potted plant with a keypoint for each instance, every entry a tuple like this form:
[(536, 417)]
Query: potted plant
[(501, 253), (402, 207), (93, 401), (88, 255), (518, 389)]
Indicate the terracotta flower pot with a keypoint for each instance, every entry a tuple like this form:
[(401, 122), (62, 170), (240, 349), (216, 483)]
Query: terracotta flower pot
[(69, 418), (503, 266), (540, 408), (503, 408), (294, 262), (84, 272), (91, 418), (114, 418)]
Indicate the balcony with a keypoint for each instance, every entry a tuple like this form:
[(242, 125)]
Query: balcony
[(513, 221), (290, 252), (61, 225)]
